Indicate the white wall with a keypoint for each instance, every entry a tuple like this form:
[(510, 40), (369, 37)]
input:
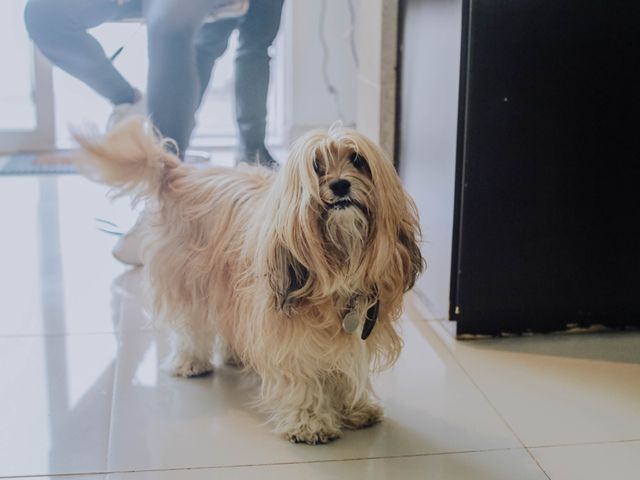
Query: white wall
[(428, 135), (308, 104)]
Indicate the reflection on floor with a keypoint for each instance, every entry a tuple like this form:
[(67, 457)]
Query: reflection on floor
[(82, 394)]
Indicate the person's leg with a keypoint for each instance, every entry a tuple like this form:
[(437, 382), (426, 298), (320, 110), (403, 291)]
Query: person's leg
[(59, 29), (173, 85), (211, 42), (257, 31)]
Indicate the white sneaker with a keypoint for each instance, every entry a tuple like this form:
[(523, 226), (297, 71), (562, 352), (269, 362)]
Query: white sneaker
[(196, 156), (126, 110), (128, 249)]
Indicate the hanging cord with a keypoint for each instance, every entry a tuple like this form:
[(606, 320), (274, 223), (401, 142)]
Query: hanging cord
[(352, 33), (127, 42), (325, 60)]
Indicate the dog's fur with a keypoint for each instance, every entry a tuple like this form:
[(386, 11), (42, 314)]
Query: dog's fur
[(263, 262)]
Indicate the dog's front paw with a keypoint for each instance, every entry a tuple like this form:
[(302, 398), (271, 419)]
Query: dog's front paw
[(362, 415), (182, 366), (313, 429), (312, 436)]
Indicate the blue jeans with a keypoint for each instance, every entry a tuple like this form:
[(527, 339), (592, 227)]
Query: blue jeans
[(256, 33), (182, 53)]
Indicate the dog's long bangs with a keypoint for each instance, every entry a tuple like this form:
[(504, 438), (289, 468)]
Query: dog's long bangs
[(303, 176), (382, 169)]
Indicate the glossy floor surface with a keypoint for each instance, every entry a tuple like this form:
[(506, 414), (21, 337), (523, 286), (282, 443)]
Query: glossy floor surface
[(82, 397)]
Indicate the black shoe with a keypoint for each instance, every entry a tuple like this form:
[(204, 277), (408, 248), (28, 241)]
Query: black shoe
[(259, 156)]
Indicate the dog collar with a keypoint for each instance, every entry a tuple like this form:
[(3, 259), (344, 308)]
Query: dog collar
[(370, 320), (351, 321)]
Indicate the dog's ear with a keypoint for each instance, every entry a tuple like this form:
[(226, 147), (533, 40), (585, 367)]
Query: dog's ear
[(396, 218), (287, 278), (412, 259)]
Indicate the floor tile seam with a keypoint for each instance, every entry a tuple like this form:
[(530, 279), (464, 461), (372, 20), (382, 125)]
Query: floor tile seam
[(535, 460), (116, 374), (524, 444), (258, 465), (76, 334), (475, 384), (584, 444), (484, 395)]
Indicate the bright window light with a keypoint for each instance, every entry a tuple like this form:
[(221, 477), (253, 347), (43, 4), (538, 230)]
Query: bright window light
[(17, 109)]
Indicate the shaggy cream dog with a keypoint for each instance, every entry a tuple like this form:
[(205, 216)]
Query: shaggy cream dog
[(290, 271)]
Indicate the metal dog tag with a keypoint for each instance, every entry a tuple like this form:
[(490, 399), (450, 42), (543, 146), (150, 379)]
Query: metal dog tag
[(351, 321)]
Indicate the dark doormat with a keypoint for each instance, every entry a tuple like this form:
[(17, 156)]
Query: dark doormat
[(56, 163)]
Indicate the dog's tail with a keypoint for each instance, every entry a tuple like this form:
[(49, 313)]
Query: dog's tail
[(132, 158)]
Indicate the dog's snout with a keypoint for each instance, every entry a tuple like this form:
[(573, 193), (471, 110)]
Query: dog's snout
[(340, 187)]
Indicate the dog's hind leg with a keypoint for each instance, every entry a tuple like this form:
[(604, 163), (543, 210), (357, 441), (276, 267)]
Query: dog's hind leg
[(191, 352)]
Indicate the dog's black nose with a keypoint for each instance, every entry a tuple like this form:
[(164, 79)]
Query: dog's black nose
[(340, 187)]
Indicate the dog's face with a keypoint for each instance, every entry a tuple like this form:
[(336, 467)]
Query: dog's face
[(345, 203), (342, 222), (344, 178)]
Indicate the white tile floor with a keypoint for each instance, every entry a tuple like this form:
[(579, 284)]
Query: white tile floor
[(81, 395)]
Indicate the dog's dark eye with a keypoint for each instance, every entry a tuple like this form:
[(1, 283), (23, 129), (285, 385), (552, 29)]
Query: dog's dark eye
[(317, 167), (358, 161)]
